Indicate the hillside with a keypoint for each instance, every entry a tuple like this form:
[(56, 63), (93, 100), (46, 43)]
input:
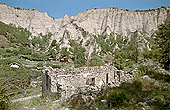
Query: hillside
[(83, 27), (133, 41)]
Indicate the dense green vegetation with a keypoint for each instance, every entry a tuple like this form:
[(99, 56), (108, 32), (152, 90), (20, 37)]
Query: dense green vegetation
[(163, 44), (95, 60), (41, 41), (127, 55), (78, 54), (16, 48), (125, 52), (15, 35)]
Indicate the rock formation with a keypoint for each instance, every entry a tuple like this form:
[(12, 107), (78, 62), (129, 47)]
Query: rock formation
[(95, 21)]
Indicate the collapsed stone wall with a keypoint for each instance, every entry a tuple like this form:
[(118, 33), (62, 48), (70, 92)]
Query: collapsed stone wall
[(71, 81)]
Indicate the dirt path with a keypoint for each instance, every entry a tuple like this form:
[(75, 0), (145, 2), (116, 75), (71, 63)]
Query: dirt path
[(26, 98)]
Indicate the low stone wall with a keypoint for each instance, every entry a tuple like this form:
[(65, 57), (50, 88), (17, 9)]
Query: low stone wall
[(71, 81)]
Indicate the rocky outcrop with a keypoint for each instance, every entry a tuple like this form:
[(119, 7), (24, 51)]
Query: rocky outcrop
[(33, 20), (95, 21)]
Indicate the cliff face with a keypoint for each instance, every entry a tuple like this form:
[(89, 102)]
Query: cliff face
[(96, 21), (122, 21)]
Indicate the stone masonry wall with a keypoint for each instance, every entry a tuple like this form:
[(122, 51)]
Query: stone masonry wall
[(71, 81)]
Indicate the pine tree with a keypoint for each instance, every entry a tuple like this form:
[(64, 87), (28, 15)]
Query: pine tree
[(163, 43)]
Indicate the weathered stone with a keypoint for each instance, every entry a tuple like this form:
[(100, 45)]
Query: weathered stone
[(147, 78), (71, 81)]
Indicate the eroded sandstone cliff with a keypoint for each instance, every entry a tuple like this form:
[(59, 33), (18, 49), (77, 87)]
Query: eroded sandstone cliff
[(95, 21)]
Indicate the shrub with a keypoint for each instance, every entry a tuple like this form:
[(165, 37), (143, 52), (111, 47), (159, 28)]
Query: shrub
[(41, 41), (53, 43), (127, 55), (64, 52), (95, 61), (52, 53), (24, 51), (37, 56), (87, 43), (116, 98), (101, 40), (4, 103), (81, 102), (40, 64), (56, 66), (148, 70), (79, 57), (78, 103), (160, 76), (78, 53), (14, 80), (162, 40)]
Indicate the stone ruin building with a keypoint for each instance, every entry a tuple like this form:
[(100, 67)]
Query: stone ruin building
[(70, 81)]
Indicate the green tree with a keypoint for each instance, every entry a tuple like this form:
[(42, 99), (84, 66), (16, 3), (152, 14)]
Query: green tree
[(64, 52), (78, 53), (95, 60), (163, 44), (127, 55), (79, 57), (53, 43)]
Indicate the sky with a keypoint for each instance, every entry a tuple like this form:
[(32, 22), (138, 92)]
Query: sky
[(58, 8)]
